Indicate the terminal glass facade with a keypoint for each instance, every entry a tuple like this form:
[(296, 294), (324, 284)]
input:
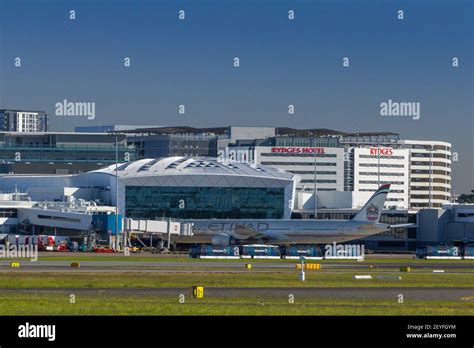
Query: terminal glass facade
[(150, 202)]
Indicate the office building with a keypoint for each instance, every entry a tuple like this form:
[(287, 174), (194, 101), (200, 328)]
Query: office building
[(375, 166), (23, 121), (430, 173), (60, 152)]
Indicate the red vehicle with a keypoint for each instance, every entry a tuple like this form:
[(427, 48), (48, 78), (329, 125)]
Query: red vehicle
[(51, 243), (62, 246), (103, 250)]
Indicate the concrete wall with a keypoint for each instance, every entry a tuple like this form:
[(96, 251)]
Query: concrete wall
[(38, 187), (459, 231), (429, 223), (439, 225)]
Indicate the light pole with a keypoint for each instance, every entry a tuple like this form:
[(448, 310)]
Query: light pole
[(378, 166), (315, 182), (429, 175), (302, 276), (116, 195)]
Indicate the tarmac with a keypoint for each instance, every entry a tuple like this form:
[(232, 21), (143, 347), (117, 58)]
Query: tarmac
[(112, 265), (116, 266)]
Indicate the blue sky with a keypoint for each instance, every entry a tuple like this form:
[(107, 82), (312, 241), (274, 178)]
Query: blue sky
[(283, 62)]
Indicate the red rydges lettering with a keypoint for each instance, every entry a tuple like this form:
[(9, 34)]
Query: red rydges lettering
[(384, 151)]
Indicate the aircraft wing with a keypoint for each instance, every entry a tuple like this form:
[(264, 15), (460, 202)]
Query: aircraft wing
[(403, 225)]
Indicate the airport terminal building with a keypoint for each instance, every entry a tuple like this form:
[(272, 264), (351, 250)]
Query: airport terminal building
[(172, 187), (186, 188)]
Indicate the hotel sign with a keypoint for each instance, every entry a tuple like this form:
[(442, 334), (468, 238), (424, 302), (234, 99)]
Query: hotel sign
[(384, 151), (297, 150)]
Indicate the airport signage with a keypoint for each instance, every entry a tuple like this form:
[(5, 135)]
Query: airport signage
[(384, 151), (297, 150)]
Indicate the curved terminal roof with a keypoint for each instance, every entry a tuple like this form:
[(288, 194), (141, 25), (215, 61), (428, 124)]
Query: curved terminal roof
[(189, 165)]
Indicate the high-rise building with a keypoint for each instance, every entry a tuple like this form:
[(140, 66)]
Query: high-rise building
[(419, 171), (379, 165), (430, 173), (23, 121), (323, 165)]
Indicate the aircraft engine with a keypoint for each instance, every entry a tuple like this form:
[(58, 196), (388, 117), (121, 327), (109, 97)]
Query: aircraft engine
[(222, 239)]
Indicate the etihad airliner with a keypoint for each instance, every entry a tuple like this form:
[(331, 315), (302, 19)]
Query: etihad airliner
[(365, 223)]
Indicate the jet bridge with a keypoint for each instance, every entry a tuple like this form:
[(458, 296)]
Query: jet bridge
[(163, 230)]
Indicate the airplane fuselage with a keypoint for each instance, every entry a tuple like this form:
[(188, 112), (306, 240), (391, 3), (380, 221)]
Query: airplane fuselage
[(285, 231)]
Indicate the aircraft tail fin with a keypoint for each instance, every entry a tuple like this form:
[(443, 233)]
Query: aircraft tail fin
[(373, 208)]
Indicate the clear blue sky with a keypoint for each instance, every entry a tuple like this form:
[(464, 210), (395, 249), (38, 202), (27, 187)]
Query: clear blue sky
[(282, 62)]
